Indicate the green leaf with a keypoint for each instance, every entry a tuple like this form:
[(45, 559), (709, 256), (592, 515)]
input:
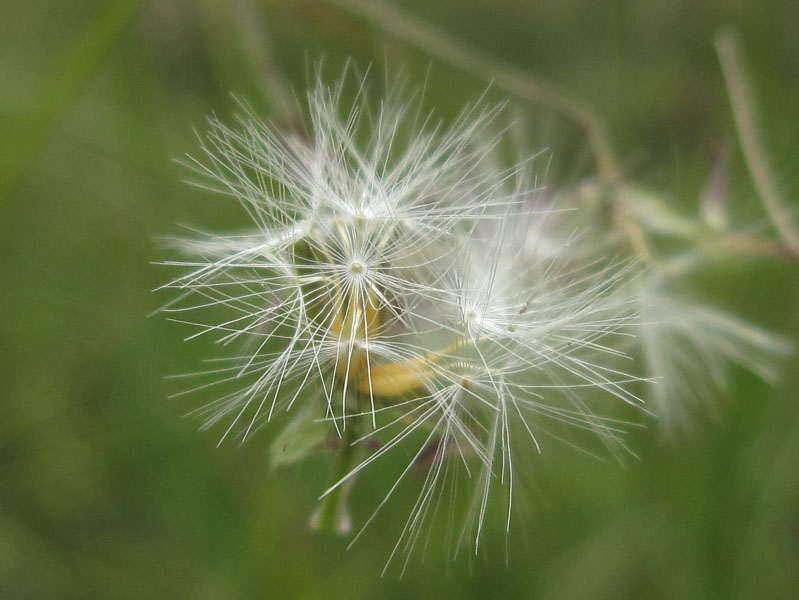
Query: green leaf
[(656, 214), (301, 437)]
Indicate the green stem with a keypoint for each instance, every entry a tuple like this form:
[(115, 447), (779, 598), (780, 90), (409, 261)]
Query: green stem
[(332, 514)]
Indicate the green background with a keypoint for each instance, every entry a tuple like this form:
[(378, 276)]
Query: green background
[(107, 491)]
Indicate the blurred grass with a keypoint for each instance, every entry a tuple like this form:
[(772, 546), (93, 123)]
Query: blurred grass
[(107, 492)]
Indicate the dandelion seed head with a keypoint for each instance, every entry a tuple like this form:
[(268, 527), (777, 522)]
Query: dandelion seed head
[(388, 288)]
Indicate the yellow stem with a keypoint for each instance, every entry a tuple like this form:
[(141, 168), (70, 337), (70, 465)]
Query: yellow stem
[(395, 379)]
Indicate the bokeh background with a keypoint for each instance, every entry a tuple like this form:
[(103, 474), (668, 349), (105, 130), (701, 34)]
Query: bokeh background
[(108, 491)]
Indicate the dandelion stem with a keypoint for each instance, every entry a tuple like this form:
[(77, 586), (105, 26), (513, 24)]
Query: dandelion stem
[(332, 514)]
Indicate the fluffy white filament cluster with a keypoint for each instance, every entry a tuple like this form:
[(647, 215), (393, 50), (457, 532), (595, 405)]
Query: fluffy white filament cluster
[(399, 295)]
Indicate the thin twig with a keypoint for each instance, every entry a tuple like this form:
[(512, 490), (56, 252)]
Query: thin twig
[(516, 81), (741, 99), (74, 66)]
